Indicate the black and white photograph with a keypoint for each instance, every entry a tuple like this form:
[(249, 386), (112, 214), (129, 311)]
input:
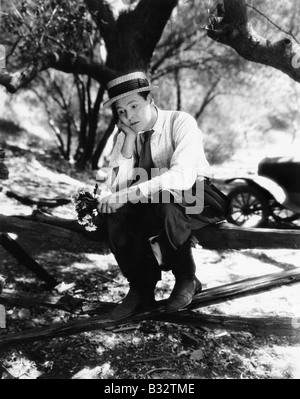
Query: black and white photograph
[(149, 192)]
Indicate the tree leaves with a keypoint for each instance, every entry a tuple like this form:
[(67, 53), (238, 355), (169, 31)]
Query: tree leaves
[(40, 27)]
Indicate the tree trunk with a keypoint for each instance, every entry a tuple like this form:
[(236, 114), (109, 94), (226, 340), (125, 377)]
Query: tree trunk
[(92, 130), (2, 282), (102, 143), (60, 141), (3, 168), (83, 117), (130, 42), (209, 96)]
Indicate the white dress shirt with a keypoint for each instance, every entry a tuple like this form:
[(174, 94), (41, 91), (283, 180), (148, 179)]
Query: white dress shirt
[(177, 154)]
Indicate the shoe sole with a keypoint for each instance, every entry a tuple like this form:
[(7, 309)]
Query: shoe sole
[(180, 308), (147, 309)]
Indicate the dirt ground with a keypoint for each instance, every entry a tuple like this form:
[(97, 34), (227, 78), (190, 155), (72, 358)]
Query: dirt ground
[(147, 349)]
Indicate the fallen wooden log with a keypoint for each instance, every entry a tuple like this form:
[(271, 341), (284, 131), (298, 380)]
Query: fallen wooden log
[(262, 325), (210, 296), (221, 236), (35, 236), (228, 236), (39, 202), (54, 330), (241, 288), (230, 291), (69, 224), (278, 326), (13, 298), (25, 259), (207, 297)]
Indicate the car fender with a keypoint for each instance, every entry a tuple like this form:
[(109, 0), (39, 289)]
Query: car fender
[(263, 184)]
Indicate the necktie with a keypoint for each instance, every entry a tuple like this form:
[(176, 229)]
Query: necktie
[(145, 158)]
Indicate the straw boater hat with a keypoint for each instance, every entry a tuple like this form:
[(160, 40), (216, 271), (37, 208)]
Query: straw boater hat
[(127, 84)]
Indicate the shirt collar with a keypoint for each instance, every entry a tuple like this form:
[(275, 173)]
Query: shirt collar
[(158, 125)]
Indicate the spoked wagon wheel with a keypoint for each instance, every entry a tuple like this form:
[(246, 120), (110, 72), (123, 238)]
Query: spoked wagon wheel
[(249, 207), (282, 214)]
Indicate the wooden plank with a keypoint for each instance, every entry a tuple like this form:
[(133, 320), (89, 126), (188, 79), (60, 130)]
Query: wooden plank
[(35, 236), (207, 297), (26, 260), (262, 325), (39, 202), (221, 236), (280, 326), (230, 291), (228, 236), (12, 298), (210, 296), (250, 286)]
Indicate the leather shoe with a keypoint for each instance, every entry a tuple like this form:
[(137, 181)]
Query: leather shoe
[(134, 302), (182, 294)]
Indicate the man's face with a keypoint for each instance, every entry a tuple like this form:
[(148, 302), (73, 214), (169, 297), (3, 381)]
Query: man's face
[(136, 112)]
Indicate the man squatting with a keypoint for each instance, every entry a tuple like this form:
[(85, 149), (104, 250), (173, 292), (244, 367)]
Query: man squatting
[(157, 192)]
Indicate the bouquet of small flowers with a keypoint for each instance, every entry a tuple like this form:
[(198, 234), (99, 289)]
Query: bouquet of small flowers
[(86, 207)]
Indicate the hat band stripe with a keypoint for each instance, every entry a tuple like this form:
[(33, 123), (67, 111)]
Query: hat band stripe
[(127, 87)]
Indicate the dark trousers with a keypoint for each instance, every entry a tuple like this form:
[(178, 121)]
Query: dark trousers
[(128, 231), (130, 228)]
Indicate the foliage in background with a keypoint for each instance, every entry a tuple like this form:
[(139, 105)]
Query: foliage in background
[(228, 95)]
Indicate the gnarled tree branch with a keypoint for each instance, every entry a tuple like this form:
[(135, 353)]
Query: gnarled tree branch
[(68, 62), (15, 81), (234, 30)]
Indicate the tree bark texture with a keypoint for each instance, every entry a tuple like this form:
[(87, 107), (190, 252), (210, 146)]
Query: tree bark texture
[(37, 237), (39, 202), (229, 236), (11, 298), (3, 167), (130, 42), (45, 231), (132, 37), (234, 30)]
